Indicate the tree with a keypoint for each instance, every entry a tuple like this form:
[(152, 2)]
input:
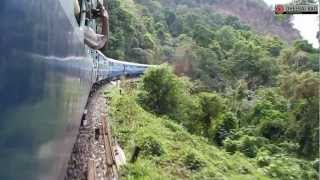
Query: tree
[(202, 35), (162, 90), (223, 127), (215, 47), (300, 86), (274, 46), (212, 106), (148, 42), (226, 37), (304, 45), (267, 110), (302, 90), (299, 60), (235, 23), (206, 67), (141, 55), (250, 62)]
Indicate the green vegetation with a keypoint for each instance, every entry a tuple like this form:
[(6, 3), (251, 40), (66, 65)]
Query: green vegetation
[(168, 150), (285, 117), (230, 104)]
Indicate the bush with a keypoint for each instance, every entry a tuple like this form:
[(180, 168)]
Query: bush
[(249, 131), (223, 128), (230, 146), (290, 147), (273, 130), (219, 134), (248, 146), (193, 162), (148, 42), (261, 141), (151, 146), (273, 149), (162, 91), (283, 167), (263, 161)]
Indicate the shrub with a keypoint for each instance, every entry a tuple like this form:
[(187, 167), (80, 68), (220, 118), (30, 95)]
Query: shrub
[(243, 170), (230, 146), (248, 146), (250, 131), (283, 168), (290, 147), (272, 129), (148, 42), (223, 128), (261, 141), (192, 162), (151, 146), (220, 133), (273, 149), (263, 157), (263, 161)]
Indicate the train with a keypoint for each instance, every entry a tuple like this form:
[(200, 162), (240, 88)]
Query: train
[(111, 69), (46, 74)]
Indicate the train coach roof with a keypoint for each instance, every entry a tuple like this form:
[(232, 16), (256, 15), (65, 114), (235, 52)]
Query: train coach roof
[(122, 62)]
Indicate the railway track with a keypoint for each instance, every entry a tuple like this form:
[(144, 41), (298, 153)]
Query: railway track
[(93, 155)]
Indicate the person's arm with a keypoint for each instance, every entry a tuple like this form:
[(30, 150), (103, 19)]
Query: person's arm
[(76, 7), (96, 40)]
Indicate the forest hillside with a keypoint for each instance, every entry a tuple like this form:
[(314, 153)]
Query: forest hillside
[(229, 101), (260, 17)]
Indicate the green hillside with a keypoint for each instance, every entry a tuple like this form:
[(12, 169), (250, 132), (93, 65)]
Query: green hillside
[(231, 103), (169, 151)]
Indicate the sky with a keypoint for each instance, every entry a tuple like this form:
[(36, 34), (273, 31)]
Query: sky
[(307, 24)]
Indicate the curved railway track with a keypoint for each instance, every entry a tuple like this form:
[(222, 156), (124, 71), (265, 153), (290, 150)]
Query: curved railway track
[(93, 155)]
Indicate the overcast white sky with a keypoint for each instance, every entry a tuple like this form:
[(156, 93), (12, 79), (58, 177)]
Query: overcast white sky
[(307, 24)]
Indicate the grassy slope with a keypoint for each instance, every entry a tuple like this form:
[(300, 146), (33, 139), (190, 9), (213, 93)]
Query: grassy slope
[(132, 125)]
